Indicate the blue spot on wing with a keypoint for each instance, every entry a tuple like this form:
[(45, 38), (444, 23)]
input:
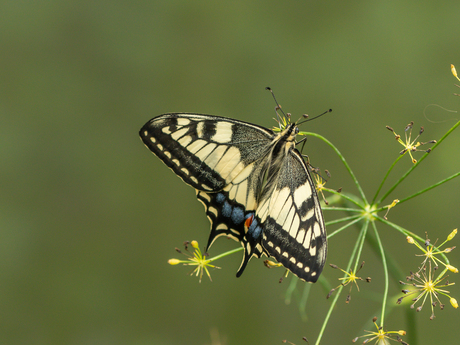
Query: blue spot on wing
[(227, 209), (254, 229), (220, 198), (238, 215)]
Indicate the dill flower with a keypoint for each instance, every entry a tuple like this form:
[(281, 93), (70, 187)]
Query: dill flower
[(382, 337), (198, 259), (426, 285), (410, 145), (431, 251), (350, 277)]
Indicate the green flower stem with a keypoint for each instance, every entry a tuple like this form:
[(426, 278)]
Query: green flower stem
[(385, 271), (431, 187), (361, 245), (304, 299), (344, 227), (346, 209), (290, 290), (420, 161), (345, 196), (385, 178), (344, 219), (400, 229), (353, 177), (226, 253), (357, 247)]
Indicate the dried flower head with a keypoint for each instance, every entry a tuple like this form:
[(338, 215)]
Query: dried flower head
[(350, 277), (411, 145)]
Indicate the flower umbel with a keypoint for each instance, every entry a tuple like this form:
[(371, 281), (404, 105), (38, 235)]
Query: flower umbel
[(381, 337), (350, 278), (431, 250), (197, 259), (411, 146), (427, 285)]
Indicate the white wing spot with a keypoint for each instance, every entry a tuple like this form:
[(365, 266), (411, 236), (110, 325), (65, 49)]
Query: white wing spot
[(221, 226), (193, 178), (309, 214), (306, 242), (200, 129), (223, 132), (216, 156), (317, 229), (178, 134), (293, 260), (205, 151), (183, 122), (205, 196), (153, 140), (160, 147), (167, 154), (196, 145), (184, 141), (146, 133), (184, 170), (300, 265), (285, 254), (277, 249), (244, 173), (280, 202), (213, 210), (166, 130), (302, 193), (307, 269), (270, 243), (206, 187), (300, 236), (228, 162), (176, 161)]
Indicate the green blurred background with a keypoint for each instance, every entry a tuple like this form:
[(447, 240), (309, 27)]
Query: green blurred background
[(89, 217)]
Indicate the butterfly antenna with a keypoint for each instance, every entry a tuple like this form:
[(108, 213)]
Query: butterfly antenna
[(278, 106), (327, 111)]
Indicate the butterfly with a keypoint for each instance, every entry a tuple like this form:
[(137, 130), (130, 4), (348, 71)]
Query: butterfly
[(253, 182)]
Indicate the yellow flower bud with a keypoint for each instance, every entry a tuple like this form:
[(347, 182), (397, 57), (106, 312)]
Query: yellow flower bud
[(401, 332), (410, 240), (454, 303), (454, 71), (195, 244), (452, 268), (452, 235), (173, 261)]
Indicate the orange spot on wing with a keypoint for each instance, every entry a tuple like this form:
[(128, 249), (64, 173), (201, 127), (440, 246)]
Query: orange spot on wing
[(248, 221)]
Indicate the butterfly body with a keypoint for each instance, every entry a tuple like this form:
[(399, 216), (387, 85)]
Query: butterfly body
[(253, 183)]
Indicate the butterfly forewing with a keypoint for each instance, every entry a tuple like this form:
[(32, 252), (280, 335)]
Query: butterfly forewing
[(254, 185)]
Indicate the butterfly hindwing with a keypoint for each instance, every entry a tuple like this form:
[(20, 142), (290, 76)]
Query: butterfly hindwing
[(294, 232), (253, 183), (229, 218)]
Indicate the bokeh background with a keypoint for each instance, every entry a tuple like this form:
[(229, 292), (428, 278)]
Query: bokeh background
[(89, 217)]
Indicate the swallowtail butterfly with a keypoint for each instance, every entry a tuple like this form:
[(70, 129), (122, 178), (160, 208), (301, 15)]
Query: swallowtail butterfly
[(253, 183)]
